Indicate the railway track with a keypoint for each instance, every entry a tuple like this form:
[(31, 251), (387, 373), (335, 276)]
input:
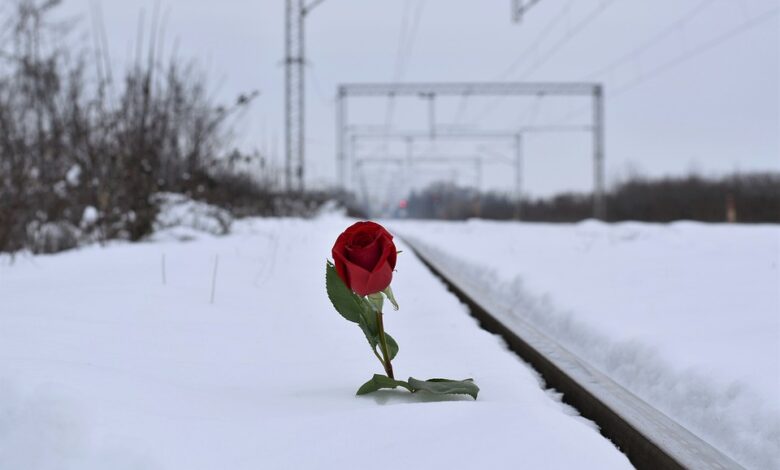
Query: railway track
[(649, 438)]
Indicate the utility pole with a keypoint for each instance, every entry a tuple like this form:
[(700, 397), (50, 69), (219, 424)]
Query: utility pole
[(431, 97), (341, 132), (518, 176), (599, 199), (294, 100)]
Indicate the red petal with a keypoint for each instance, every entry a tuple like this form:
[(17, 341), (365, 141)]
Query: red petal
[(341, 268), (379, 279), (368, 256), (360, 279), (389, 252)]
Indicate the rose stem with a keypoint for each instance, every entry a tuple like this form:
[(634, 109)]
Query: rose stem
[(383, 342), (381, 359)]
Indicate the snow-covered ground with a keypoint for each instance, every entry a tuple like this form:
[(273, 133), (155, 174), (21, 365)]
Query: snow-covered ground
[(104, 365), (686, 315)]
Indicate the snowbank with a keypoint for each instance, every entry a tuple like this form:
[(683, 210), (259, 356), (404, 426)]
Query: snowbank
[(178, 211), (685, 315), (147, 373), (180, 218)]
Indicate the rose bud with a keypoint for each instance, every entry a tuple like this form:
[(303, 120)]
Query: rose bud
[(364, 256)]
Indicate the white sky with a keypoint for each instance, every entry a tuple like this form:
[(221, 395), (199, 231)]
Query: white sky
[(691, 107)]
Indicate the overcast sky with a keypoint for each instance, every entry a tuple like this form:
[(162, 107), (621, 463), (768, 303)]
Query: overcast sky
[(690, 85)]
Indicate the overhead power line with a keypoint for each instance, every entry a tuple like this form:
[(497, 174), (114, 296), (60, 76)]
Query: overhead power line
[(406, 39), (575, 30), (657, 38), (402, 34), (412, 36), (520, 59), (527, 52), (700, 49), (542, 59), (678, 60)]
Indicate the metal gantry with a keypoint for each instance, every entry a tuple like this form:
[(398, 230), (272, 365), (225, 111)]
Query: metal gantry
[(346, 138), (515, 138)]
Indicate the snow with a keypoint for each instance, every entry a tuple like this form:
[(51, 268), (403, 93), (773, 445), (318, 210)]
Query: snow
[(178, 211), (89, 216), (104, 365), (686, 315), (49, 237), (73, 176)]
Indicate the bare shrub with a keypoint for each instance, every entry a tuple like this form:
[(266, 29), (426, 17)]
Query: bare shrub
[(70, 141)]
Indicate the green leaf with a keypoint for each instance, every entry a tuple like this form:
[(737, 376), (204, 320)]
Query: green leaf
[(356, 309), (344, 300), (368, 323), (372, 335), (368, 315), (445, 386), (392, 346), (389, 293), (378, 382)]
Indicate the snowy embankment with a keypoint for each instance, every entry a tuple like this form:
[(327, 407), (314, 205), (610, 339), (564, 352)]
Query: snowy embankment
[(685, 315), (104, 365)]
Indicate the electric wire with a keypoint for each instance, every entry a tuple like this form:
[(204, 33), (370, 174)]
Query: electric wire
[(406, 40), (655, 39), (571, 33), (546, 30), (700, 49), (678, 60)]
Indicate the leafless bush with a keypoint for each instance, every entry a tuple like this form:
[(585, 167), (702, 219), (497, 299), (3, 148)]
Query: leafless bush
[(73, 144)]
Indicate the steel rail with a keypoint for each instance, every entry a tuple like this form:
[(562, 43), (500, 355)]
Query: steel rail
[(649, 438)]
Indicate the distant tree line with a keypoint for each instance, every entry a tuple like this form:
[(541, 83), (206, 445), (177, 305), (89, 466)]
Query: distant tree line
[(83, 152), (738, 198)]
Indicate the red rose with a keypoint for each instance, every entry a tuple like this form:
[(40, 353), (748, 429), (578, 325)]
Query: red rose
[(365, 256)]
